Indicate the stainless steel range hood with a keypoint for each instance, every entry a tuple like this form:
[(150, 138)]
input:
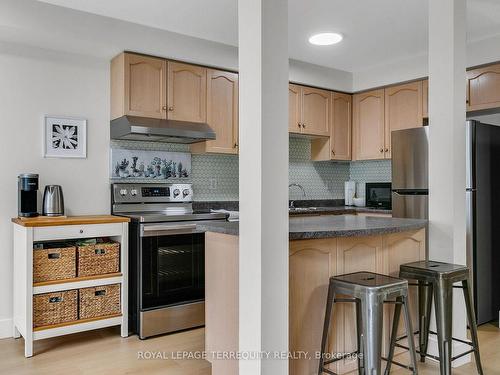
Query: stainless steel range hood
[(135, 128)]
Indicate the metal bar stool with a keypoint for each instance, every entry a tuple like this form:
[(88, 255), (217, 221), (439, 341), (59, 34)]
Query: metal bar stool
[(437, 279), (369, 291)]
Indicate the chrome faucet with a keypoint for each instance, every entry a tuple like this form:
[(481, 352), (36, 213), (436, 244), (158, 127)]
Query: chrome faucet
[(301, 188)]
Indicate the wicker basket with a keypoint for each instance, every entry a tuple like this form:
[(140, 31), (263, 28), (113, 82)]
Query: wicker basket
[(98, 259), (54, 261), (55, 308), (99, 301)]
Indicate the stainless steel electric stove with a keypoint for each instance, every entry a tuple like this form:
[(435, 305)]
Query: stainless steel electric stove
[(166, 256)]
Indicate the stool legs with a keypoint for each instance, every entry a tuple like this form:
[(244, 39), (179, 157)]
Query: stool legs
[(359, 332), (424, 316), (409, 333), (326, 326), (402, 302), (372, 307), (443, 296), (472, 324), (394, 334)]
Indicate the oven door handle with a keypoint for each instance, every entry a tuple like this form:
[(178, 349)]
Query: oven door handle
[(157, 230)]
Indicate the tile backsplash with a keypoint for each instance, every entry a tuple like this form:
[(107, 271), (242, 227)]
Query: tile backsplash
[(215, 177)]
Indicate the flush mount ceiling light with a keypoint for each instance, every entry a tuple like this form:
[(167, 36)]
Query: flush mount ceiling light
[(325, 39)]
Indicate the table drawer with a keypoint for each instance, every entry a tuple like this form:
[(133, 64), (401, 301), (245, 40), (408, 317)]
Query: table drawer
[(77, 231)]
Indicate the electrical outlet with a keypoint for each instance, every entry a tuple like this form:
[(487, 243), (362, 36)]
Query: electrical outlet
[(213, 184)]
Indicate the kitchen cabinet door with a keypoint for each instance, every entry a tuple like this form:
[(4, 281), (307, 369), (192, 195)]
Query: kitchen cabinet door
[(483, 88), (294, 108), (401, 248), (316, 107), (138, 86), (311, 264), (354, 254), (187, 92), (222, 113), (425, 100), (340, 132), (368, 121), (403, 110)]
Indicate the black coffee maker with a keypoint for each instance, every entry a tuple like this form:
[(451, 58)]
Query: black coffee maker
[(27, 193)]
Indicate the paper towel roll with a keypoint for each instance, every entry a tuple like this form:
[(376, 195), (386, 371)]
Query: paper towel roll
[(350, 191)]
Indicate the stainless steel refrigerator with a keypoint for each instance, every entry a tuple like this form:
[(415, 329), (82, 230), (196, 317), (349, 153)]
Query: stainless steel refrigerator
[(483, 217), (410, 173), (410, 200)]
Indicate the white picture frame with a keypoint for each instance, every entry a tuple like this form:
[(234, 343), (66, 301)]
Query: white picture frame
[(64, 137)]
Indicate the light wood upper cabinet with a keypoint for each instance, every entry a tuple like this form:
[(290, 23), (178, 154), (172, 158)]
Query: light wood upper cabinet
[(369, 126), (425, 98), (138, 86), (222, 113), (315, 111), (294, 108), (340, 128), (338, 145), (308, 110), (187, 92), (403, 110), (483, 88)]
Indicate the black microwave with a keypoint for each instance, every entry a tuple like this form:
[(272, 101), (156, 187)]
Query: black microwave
[(378, 195)]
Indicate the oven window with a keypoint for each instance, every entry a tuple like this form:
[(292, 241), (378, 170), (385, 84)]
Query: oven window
[(173, 269)]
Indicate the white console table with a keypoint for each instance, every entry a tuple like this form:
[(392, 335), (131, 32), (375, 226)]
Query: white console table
[(26, 232)]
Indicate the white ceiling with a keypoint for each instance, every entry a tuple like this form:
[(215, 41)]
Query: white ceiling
[(375, 32)]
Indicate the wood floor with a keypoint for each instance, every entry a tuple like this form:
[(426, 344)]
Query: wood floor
[(104, 352)]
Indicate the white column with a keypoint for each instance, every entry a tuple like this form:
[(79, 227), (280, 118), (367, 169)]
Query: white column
[(263, 182), (447, 95)]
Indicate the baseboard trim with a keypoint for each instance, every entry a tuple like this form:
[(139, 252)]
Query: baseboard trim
[(5, 328), (458, 348)]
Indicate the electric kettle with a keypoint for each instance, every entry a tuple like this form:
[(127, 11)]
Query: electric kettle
[(53, 201)]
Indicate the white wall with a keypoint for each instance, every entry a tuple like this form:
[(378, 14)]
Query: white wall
[(37, 24), (320, 76), (34, 83)]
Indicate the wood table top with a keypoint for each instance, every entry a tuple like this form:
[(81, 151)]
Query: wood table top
[(47, 221)]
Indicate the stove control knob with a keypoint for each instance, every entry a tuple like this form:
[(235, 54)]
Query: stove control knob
[(176, 193), (185, 193), (133, 192), (123, 192)]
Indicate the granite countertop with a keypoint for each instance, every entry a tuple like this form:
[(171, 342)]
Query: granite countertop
[(331, 226)]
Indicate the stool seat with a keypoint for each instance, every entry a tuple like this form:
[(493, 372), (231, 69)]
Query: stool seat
[(428, 270), (368, 284), (436, 281), (369, 291)]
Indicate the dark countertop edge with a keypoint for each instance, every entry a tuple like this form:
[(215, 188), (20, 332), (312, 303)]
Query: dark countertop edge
[(292, 236), (233, 230)]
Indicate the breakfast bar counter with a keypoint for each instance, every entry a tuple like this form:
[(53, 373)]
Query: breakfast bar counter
[(327, 226), (320, 247)]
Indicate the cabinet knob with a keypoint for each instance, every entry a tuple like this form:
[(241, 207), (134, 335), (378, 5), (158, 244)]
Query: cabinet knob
[(299, 124), (81, 231), (164, 107), (381, 150), (170, 109), (386, 150), (236, 145), (303, 125), (333, 152)]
